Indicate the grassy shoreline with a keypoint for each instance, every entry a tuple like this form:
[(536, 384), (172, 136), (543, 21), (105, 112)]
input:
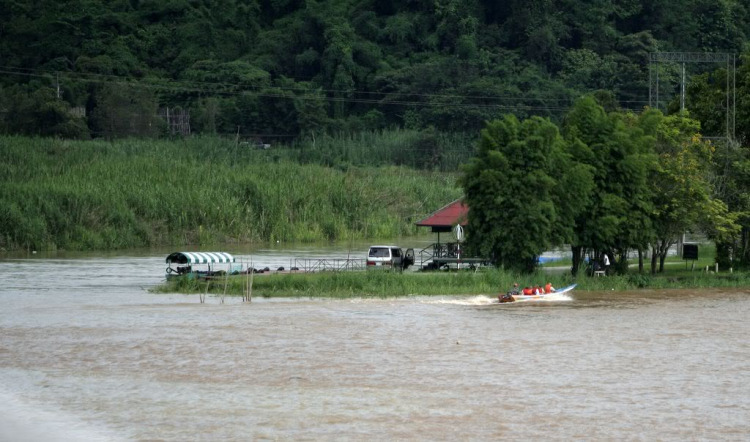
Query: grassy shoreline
[(383, 284)]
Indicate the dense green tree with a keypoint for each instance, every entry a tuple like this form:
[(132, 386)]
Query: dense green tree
[(619, 149), (524, 190), (732, 187), (39, 113), (682, 200), (706, 100)]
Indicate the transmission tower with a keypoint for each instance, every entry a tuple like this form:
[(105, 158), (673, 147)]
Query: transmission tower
[(682, 58)]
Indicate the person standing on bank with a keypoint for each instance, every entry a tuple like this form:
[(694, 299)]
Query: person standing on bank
[(606, 264)]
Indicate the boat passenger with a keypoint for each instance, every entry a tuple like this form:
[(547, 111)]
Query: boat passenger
[(548, 288), (528, 291), (515, 291)]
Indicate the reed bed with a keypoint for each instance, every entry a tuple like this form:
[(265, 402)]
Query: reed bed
[(89, 195)]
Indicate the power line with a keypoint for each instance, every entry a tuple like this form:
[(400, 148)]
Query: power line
[(303, 97), (181, 86), (181, 83), (302, 89)]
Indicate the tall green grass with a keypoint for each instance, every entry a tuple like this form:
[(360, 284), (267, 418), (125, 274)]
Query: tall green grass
[(488, 282), (374, 283), (84, 195)]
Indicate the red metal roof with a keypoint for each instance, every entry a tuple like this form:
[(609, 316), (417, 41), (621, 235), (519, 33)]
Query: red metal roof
[(448, 216)]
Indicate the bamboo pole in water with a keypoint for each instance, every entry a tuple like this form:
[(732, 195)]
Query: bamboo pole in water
[(250, 287), (203, 295), (226, 282), (246, 295)]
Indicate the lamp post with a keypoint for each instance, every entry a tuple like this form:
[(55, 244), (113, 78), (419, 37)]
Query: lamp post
[(458, 232)]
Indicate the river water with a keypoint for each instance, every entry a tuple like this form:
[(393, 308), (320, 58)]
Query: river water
[(87, 354)]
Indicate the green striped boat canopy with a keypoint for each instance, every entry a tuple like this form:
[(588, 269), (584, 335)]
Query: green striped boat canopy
[(199, 257)]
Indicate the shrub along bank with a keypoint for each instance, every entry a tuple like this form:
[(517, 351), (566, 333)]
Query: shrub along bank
[(85, 195)]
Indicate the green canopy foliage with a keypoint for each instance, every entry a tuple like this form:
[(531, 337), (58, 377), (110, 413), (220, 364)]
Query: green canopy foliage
[(619, 149), (684, 200), (292, 67), (611, 183), (524, 189), (728, 220)]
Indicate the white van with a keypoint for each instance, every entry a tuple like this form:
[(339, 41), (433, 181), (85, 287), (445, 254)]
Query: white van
[(389, 256)]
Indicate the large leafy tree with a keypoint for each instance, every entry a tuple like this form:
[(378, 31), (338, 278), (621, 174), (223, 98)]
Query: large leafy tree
[(731, 186), (39, 113), (618, 149), (524, 190), (730, 162), (683, 197)]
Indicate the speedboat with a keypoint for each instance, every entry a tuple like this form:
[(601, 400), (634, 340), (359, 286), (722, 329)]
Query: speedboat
[(522, 297)]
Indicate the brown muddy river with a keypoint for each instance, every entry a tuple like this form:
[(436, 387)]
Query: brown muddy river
[(87, 354)]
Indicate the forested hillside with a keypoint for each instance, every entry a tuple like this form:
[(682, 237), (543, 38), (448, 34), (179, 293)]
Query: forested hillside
[(284, 68), (367, 83)]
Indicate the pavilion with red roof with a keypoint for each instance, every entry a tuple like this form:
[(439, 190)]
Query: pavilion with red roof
[(447, 217), (442, 221)]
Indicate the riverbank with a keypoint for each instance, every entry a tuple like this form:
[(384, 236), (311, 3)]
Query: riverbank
[(99, 195), (385, 284)]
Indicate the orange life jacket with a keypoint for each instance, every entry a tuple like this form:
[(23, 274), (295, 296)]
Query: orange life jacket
[(528, 291), (548, 288)]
